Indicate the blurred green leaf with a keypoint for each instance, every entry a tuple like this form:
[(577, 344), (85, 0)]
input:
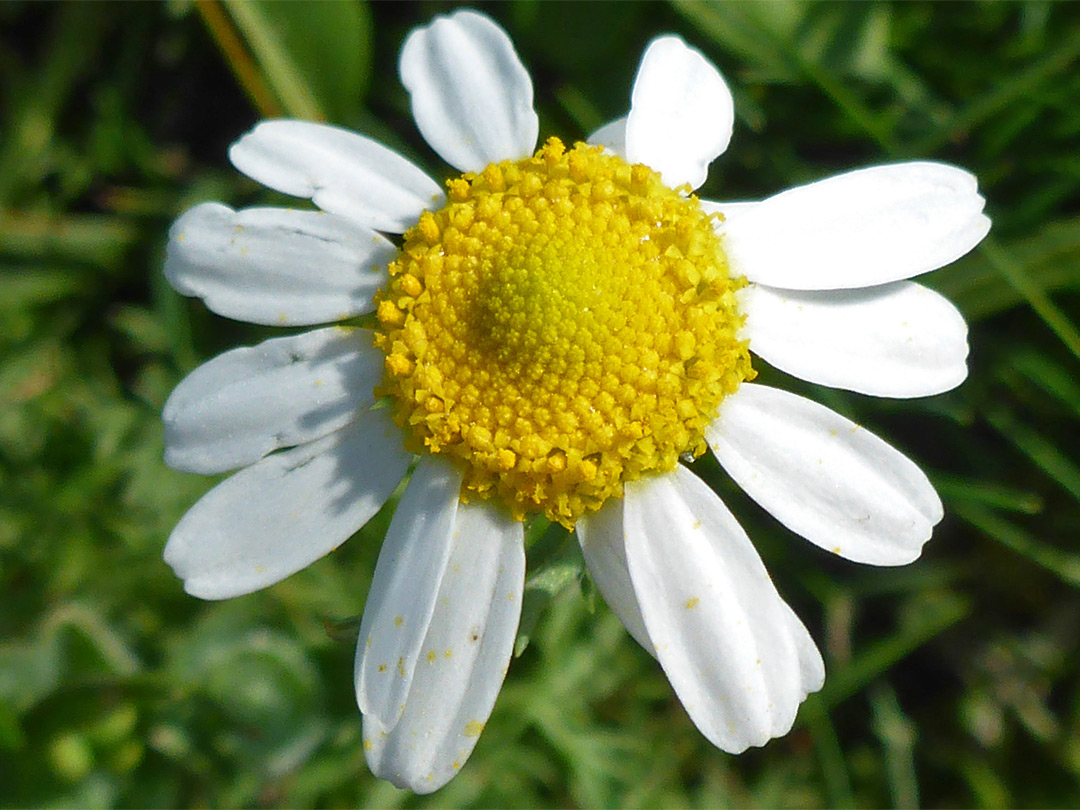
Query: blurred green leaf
[(990, 493), (28, 287), (71, 644), (1048, 68), (936, 613), (1050, 259), (12, 737), (316, 56), (987, 786), (771, 40), (898, 739), (1063, 564), (1042, 450), (28, 148), (793, 40), (87, 238), (1019, 275), (830, 753), (556, 565), (258, 675), (1046, 374)]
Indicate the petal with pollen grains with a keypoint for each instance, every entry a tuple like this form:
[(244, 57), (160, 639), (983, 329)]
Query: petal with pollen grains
[(340, 171), (824, 477), (463, 658), (276, 266), (723, 634), (681, 113), (895, 340), (274, 518), (472, 99), (859, 229), (411, 564), (247, 402)]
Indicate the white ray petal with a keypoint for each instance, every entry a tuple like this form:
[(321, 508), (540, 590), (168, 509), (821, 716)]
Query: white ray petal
[(824, 477), (602, 539), (399, 606), (272, 519), (471, 96), (811, 665), (340, 171), (895, 340), (276, 266), (245, 403), (681, 113), (722, 632), (859, 229), (463, 658), (611, 135)]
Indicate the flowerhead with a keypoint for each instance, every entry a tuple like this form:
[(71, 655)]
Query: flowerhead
[(553, 334)]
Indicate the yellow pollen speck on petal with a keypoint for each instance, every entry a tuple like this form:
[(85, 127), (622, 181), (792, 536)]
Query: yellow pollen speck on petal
[(565, 324), (473, 728), (382, 667), (401, 667), (398, 621), (692, 603), (431, 657)]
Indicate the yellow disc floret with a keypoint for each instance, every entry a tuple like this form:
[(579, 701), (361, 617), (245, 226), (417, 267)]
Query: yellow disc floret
[(563, 325)]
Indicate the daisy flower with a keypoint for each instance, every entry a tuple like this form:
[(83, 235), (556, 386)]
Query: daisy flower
[(555, 334)]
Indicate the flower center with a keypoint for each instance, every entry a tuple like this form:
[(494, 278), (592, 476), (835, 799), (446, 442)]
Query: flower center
[(563, 325)]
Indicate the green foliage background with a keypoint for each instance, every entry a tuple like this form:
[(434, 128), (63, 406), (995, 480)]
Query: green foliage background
[(953, 681)]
